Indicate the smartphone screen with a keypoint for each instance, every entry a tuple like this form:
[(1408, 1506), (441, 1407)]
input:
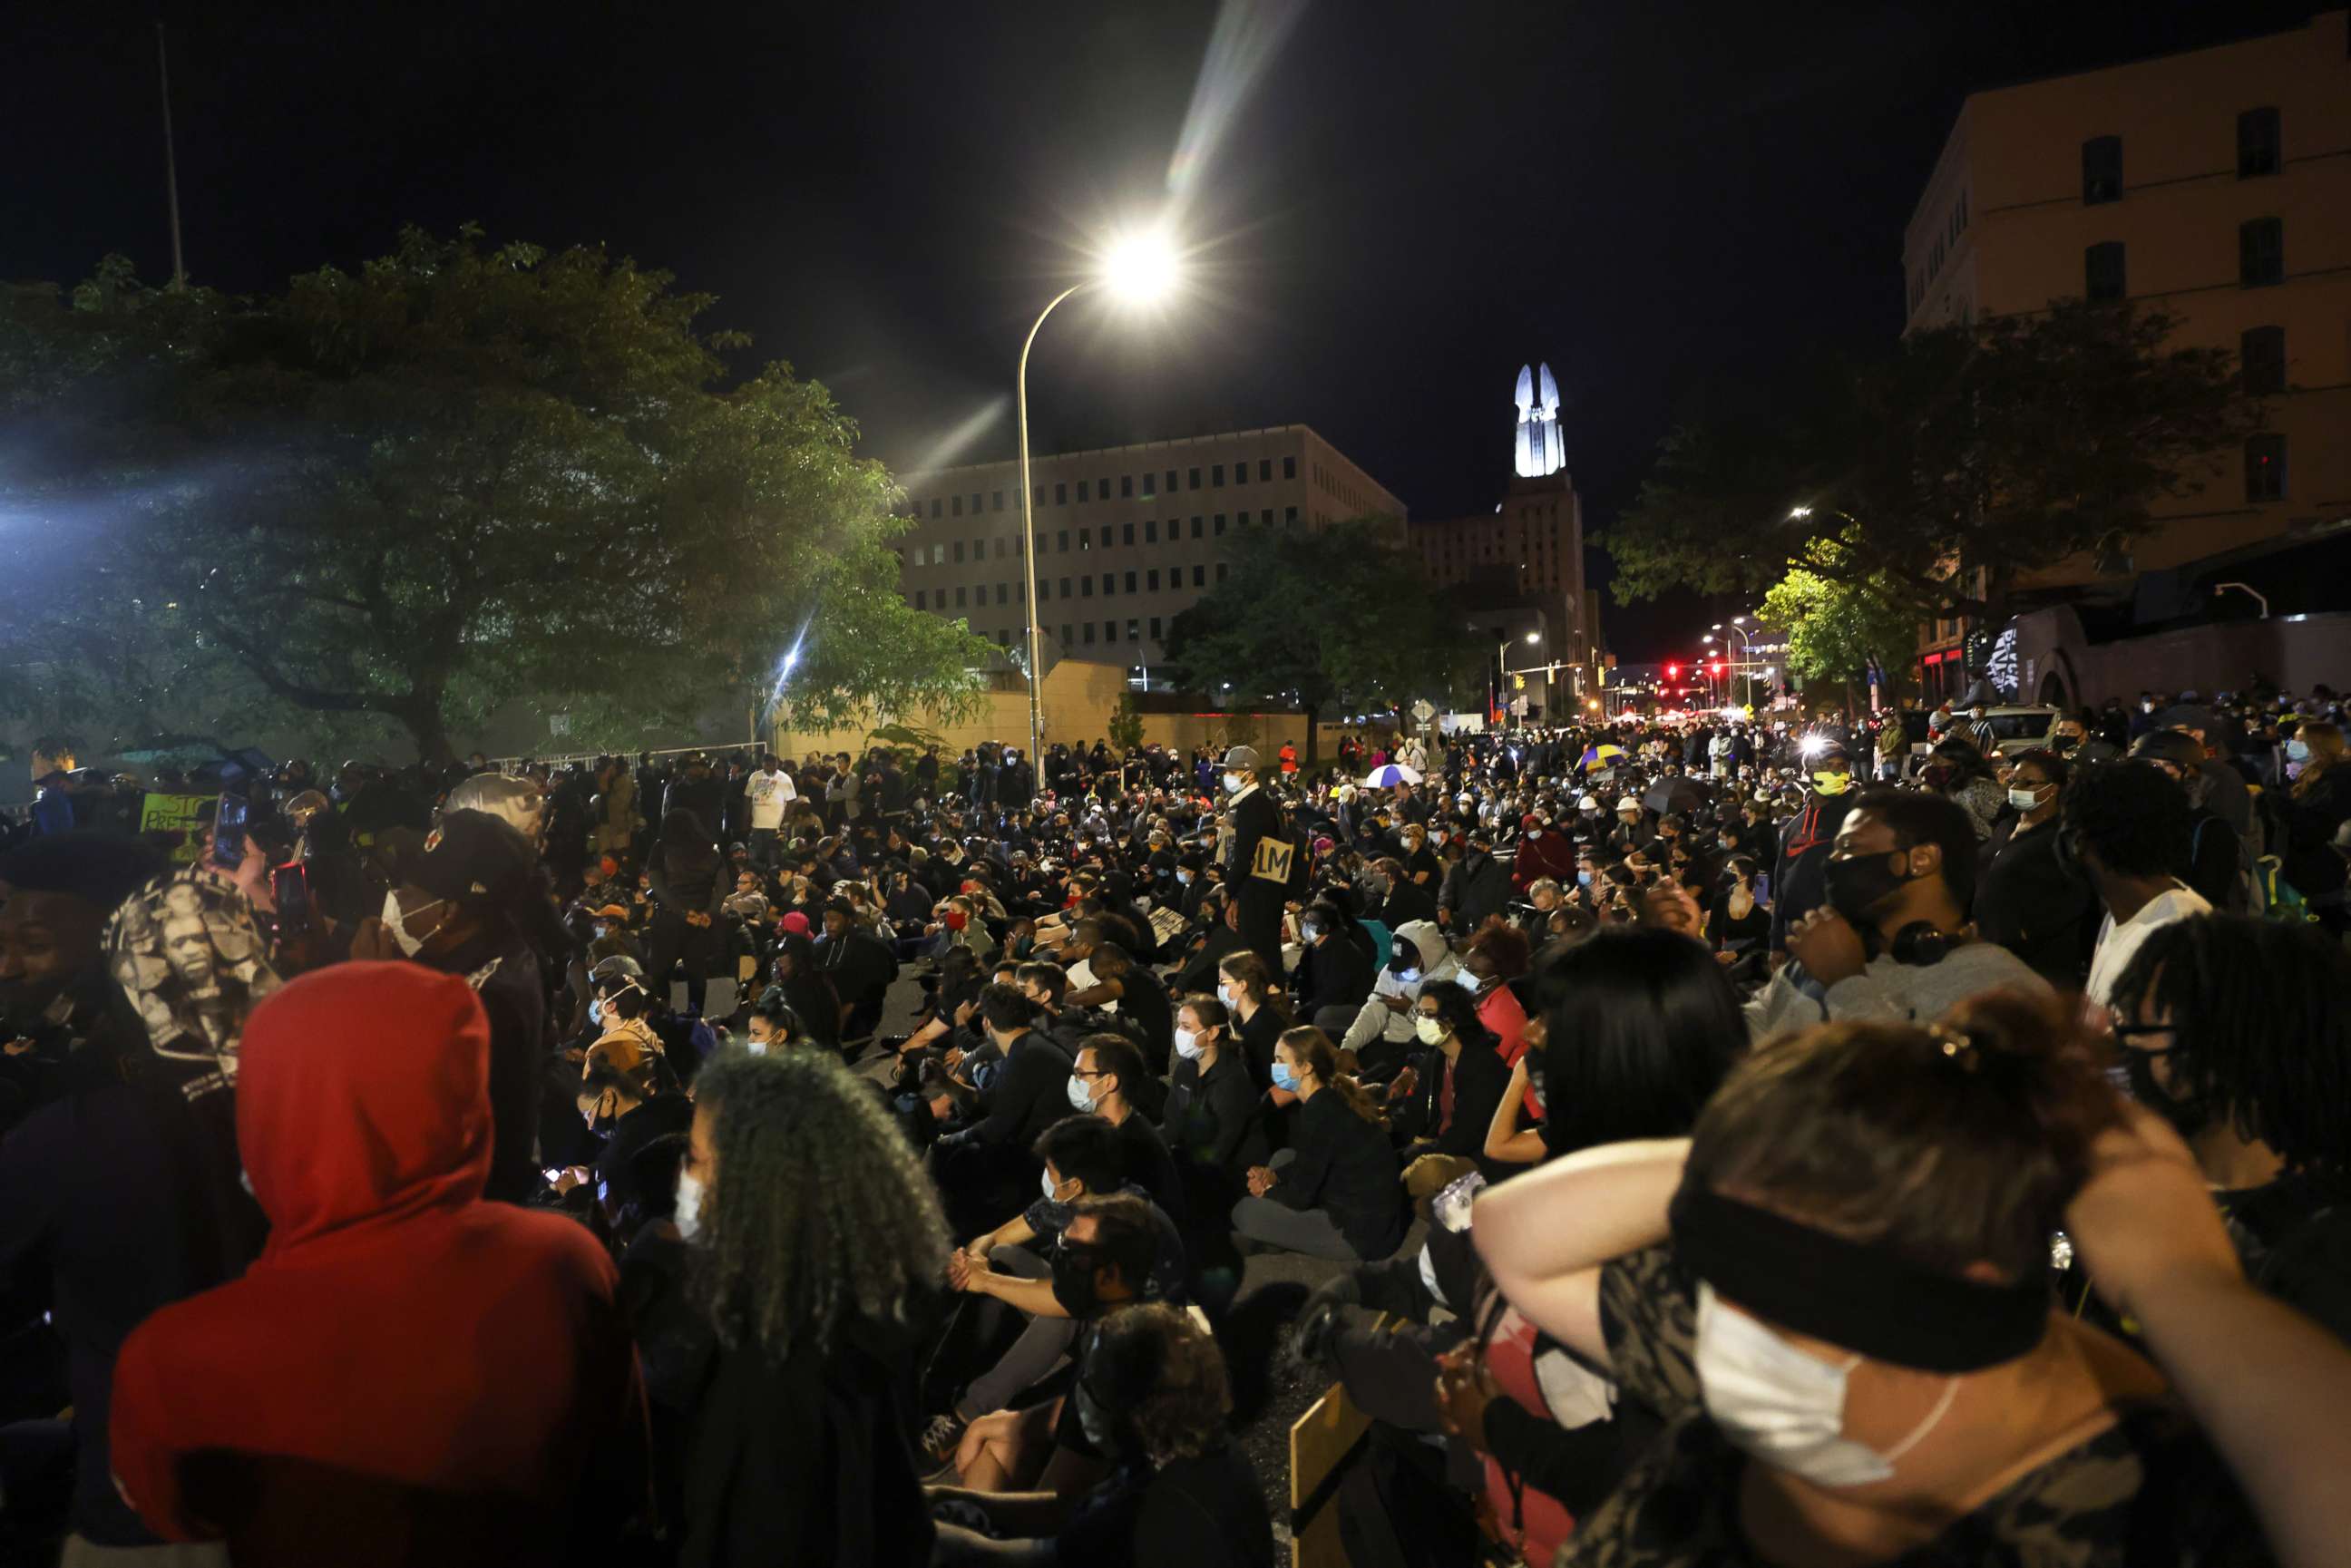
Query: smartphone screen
[(291, 884), (228, 830), (1762, 887)]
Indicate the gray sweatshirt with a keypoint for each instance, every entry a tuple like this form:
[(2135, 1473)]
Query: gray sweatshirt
[(1888, 990)]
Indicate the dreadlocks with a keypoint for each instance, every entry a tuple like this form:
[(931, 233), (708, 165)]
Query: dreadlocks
[(2257, 1010), (819, 1212)]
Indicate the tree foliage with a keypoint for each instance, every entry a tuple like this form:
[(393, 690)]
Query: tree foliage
[(1340, 619), (1838, 627), (1939, 479), (456, 476)]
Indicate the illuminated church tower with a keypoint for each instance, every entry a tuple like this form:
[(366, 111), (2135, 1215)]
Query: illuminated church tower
[(1539, 449)]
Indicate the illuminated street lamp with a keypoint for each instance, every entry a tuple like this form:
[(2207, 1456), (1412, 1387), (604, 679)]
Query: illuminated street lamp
[(1140, 269)]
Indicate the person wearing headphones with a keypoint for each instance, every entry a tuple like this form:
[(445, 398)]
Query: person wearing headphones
[(1893, 941)]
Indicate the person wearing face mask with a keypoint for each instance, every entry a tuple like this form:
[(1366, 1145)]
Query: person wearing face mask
[(2233, 1031), (1100, 1263), (1802, 853), (1150, 1396), (1893, 941), (1211, 1122), (1258, 866), (1332, 1192), (1109, 1079), (1835, 1295), (1496, 957), (815, 1231), (985, 1168), (471, 907), (1245, 985), (1444, 1101), (2029, 898), (1334, 974), (1400, 900), (2318, 801)]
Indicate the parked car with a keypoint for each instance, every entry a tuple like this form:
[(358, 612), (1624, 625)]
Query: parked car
[(2016, 729)]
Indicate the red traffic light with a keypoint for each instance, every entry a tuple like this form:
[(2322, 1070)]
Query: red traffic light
[(1672, 671)]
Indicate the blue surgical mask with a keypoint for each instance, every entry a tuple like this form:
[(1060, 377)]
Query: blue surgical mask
[(2297, 750), (1285, 1077)]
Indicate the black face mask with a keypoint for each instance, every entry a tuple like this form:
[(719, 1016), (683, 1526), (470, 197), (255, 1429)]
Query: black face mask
[(1860, 884), (2188, 1117), (1073, 1279)]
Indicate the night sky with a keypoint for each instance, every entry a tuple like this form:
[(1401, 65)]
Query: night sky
[(1393, 205)]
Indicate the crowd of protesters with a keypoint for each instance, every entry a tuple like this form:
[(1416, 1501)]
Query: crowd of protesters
[(1725, 1142)]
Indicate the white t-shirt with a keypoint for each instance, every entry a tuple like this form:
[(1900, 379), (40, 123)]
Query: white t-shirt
[(2117, 944), (770, 793)]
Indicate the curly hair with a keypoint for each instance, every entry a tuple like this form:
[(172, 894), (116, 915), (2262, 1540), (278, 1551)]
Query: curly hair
[(1163, 1375), (820, 1211), (2261, 1037)]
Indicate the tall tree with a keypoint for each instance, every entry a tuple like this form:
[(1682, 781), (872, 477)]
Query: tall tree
[(1836, 627), (1340, 617), (1940, 479), (458, 475)]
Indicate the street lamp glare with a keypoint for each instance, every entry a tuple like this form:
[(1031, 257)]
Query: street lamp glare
[(1739, 621), (1798, 513), (1141, 269), (1534, 637)]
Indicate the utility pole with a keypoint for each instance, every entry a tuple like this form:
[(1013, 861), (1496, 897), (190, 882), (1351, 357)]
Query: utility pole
[(171, 163)]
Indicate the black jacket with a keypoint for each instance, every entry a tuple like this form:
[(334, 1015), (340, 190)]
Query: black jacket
[(2032, 903), (1334, 974), (1798, 873), (1255, 820), (1479, 1078), (1032, 1095), (1476, 887), (1407, 901), (1342, 1165), (1213, 1119)]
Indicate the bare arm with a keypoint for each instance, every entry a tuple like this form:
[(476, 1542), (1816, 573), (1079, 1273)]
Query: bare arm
[(1544, 1234), (2268, 1385), (1034, 1297), (1504, 1141)]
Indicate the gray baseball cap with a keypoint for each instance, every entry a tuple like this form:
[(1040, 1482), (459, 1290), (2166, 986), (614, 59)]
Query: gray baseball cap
[(1241, 757)]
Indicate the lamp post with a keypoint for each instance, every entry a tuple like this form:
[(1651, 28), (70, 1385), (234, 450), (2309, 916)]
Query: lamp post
[(1142, 269), (1738, 628), (1502, 670)]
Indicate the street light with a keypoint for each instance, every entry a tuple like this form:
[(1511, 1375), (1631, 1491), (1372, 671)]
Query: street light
[(1140, 269), (1502, 667)]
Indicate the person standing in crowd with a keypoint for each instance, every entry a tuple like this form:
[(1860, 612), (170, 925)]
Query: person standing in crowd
[(1256, 867), (815, 1234), (2212, 855), (408, 1373), (2128, 825), (1894, 941), (2029, 898), (1332, 1192), (2234, 1030), (769, 793), (2318, 803), (470, 909), (690, 886), (1798, 872)]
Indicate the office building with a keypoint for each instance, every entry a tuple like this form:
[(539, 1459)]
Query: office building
[(2214, 184), (1128, 537)]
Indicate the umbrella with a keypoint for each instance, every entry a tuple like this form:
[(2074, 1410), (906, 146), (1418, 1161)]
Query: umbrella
[(1389, 775), (1601, 755), (1673, 795)]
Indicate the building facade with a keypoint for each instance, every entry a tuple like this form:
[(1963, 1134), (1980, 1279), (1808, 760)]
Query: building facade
[(2214, 184), (1128, 537)]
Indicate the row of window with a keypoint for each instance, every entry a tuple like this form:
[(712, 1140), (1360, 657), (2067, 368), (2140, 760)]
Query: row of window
[(1124, 533), (1100, 489), (1007, 636), (2260, 260), (1072, 587), (2261, 151)]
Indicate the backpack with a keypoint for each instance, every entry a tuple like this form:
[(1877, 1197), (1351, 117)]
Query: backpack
[(2275, 898)]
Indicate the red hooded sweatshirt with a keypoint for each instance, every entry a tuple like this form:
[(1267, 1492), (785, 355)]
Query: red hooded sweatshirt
[(407, 1374)]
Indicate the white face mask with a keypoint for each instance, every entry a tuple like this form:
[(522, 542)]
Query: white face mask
[(396, 923), (689, 1204), (2024, 799), (1229, 995), (756, 1047), (1079, 1099), (1772, 1400), (596, 1011), (1187, 1044), (1430, 1029), (1232, 783), (1052, 1188), (1468, 982)]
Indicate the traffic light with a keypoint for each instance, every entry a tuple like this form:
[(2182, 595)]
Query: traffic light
[(1717, 669), (1672, 670)]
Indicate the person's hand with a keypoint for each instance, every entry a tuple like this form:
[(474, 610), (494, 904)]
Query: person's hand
[(1261, 1179), (954, 1058), (942, 1106), (1396, 1004), (1464, 1388), (1402, 1085), (963, 1015), (2144, 1221), (1828, 946), (569, 1177), (372, 940), (1726, 957), (959, 1268)]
